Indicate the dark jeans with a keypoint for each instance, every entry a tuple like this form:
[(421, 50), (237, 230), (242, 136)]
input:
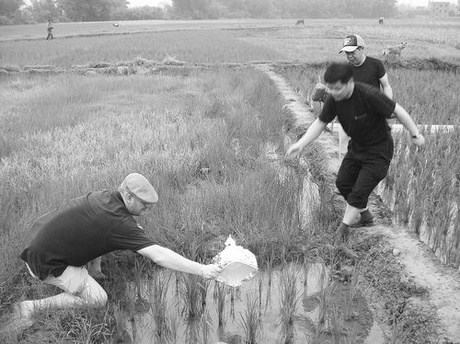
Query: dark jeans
[(362, 169)]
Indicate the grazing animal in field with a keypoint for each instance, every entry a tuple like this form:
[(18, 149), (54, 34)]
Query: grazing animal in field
[(394, 50), (116, 24), (300, 21), (381, 21)]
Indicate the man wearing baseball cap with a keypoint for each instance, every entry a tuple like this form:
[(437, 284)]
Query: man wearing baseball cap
[(365, 68), (84, 229)]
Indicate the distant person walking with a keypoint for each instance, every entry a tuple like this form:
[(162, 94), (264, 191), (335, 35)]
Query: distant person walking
[(362, 110), (381, 21), (50, 30)]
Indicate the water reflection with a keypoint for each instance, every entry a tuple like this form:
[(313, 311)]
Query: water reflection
[(279, 306)]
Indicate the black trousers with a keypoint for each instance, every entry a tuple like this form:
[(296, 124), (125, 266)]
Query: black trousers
[(362, 169)]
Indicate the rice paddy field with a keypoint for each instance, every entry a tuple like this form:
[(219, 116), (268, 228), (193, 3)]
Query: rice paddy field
[(181, 103)]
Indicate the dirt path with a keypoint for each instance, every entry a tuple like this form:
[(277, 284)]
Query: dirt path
[(420, 265), (426, 271)]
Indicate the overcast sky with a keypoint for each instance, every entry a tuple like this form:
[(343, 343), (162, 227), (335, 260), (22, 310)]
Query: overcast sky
[(413, 2), (135, 3)]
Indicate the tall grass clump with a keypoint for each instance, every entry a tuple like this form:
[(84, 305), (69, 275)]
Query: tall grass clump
[(163, 328), (289, 301), (430, 97), (428, 197), (250, 320)]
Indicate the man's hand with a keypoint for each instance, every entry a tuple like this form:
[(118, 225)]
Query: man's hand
[(294, 151), (210, 271), (418, 140), (319, 92)]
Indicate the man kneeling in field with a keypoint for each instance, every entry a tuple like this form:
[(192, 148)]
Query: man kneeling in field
[(84, 229)]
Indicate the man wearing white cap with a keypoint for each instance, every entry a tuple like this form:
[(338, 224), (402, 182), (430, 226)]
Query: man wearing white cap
[(85, 228), (366, 69)]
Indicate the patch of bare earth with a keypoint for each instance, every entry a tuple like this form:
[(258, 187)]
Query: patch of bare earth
[(415, 298)]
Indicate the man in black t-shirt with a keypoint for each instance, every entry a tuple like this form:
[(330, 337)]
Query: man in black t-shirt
[(367, 70), (82, 230), (362, 110)]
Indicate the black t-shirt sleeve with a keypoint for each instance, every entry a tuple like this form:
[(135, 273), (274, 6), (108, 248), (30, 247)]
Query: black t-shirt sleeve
[(380, 68), (381, 104), (328, 112), (129, 236)]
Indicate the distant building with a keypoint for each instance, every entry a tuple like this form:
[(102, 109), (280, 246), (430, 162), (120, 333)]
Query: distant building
[(439, 9)]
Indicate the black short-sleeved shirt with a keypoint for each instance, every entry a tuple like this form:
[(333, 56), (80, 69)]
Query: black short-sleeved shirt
[(81, 230), (369, 72), (363, 116)]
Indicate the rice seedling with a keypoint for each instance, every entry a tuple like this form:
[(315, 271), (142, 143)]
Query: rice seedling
[(192, 290), (205, 328), (85, 328), (290, 297), (161, 284), (220, 292), (250, 319)]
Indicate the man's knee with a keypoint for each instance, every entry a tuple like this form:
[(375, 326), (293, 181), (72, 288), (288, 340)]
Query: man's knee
[(98, 300), (94, 295), (101, 300)]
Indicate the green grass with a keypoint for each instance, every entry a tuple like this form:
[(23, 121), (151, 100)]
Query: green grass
[(200, 136)]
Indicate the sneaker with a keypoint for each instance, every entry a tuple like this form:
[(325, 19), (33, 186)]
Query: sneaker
[(366, 220)]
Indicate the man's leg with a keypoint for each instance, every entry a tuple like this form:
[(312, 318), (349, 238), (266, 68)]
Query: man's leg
[(366, 219), (351, 213), (346, 178), (373, 171), (80, 290)]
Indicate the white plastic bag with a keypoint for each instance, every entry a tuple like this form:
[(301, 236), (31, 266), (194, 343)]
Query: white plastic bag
[(238, 264)]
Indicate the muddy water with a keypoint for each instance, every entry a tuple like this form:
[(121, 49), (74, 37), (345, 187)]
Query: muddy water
[(288, 306)]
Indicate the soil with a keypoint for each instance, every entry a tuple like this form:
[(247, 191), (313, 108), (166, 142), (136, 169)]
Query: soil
[(415, 298)]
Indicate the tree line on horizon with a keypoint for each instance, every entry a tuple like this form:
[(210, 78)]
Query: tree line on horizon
[(39, 11)]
